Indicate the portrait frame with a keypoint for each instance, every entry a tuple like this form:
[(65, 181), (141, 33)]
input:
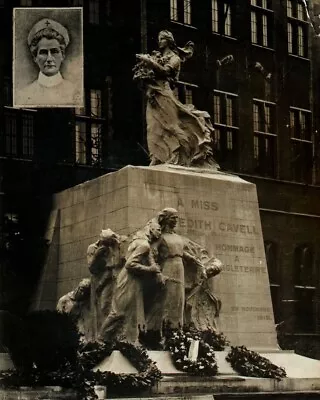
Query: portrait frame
[(28, 88)]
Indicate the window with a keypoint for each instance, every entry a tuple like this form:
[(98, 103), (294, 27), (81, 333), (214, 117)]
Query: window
[(222, 17), (264, 139), (290, 38), (95, 103), (263, 116), (89, 128), (261, 23), (289, 8), (225, 115), (94, 12), (10, 133), (185, 92), (300, 123), (27, 135), (274, 279), (304, 289), (81, 142), (302, 145), (297, 28), (180, 11), (295, 9), (18, 133)]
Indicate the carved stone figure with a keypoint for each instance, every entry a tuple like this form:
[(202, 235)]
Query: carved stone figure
[(177, 133), (162, 278), (127, 311), (77, 304), (179, 302), (202, 307), (104, 262)]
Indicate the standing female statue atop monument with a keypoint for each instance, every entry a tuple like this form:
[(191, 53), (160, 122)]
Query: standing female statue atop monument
[(177, 133)]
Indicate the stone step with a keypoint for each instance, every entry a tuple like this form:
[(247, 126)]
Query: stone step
[(39, 393), (310, 395), (235, 385)]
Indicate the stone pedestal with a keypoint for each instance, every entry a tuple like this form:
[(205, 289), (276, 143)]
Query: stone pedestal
[(217, 210)]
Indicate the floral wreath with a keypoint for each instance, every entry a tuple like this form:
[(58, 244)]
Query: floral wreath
[(250, 363), (81, 378), (246, 362), (179, 342), (148, 373)]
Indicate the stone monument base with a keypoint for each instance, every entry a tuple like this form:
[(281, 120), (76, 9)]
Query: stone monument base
[(303, 376), (219, 211)]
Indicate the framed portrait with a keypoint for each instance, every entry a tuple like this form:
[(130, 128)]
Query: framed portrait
[(47, 57)]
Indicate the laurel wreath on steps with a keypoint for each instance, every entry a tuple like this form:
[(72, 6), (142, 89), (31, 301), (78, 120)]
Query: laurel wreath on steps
[(244, 361), (182, 344)]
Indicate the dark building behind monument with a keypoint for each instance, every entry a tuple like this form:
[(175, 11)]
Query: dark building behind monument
[(255, 70)]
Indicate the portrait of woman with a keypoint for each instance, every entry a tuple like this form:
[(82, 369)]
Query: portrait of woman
[(48, 57)]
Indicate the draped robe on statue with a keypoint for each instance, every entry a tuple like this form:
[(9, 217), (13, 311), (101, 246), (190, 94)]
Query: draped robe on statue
[(104, 264), (177, 133), (186, 297), (127, 309)]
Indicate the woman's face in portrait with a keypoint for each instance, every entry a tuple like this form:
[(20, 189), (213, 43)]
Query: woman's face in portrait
[(49, 56)]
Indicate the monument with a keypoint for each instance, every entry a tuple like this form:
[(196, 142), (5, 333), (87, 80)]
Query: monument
[(193, 233), (217, 211)]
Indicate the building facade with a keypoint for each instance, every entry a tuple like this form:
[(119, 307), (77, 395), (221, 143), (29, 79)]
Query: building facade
[(255, 70)]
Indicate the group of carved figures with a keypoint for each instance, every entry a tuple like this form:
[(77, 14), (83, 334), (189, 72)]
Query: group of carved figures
[(141, 282)]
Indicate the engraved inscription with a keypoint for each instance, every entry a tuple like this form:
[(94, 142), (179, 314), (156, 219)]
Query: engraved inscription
[(251, 309), (205, 205), (244, 269), (235, 248), (238, 228), (195, 224)]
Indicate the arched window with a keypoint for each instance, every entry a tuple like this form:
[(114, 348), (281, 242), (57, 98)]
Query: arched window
[(271, 250), (304, 289)]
